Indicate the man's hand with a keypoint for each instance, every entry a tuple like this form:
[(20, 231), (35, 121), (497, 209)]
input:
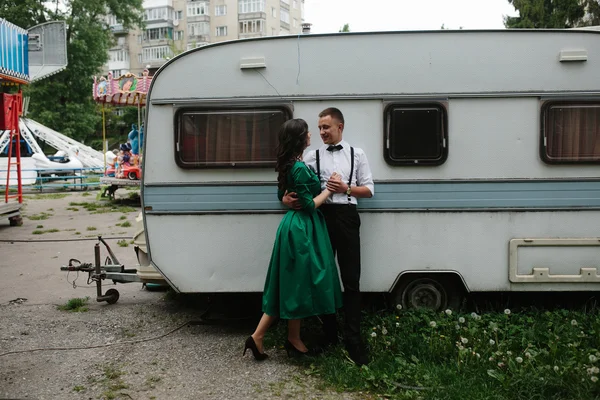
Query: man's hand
[(336, 185), (290, 200)]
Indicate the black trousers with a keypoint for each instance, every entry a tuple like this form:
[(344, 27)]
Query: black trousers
[(343, 225)]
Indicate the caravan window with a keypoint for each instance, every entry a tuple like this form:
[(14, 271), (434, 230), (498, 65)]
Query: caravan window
[(228, 138), (571, 132), (416, 134)]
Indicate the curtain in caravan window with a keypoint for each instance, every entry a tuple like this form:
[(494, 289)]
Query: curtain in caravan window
[(231, 138), (572, 133)]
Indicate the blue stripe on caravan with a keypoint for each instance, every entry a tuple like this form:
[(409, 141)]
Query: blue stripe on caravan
[(388, 196)]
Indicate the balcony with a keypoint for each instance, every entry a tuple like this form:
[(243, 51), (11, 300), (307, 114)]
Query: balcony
[(118, 29), (199, 38), (254, 15), (154, 63), (198, 18), (251, 35), (156, 42), (285, 25)]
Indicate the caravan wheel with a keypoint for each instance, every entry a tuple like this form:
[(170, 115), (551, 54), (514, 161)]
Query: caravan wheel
[(422, 293)]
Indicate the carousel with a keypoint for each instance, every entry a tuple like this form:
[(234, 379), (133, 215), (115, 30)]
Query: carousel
[(123, 166)]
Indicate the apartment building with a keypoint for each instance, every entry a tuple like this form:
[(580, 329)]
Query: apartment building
[(174, 26)]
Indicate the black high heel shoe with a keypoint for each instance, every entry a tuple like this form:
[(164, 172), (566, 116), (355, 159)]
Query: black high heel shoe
[(251, 344), (292, 351)]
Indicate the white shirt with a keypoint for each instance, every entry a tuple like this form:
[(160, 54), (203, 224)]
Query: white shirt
[(339, 161)]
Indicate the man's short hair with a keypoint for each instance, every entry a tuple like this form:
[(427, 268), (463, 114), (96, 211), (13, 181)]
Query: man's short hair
[(333, 113)]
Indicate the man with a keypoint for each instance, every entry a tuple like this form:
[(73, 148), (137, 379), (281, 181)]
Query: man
[(345, 171)]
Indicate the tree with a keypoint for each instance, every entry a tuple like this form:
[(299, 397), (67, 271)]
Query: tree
[(553, 13), (345, 28), (64, 101)]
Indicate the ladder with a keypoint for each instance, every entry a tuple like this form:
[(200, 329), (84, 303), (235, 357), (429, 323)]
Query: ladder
[(13, 106)]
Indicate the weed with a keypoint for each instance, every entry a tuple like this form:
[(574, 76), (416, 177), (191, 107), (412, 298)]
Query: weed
[(49, 196), (123, 243), (85, 194), (78, 388), (126, 224), (41, 232), (40, 226), (77, 233), (91, 228), (50, 209), (75, 305), (39, 216), (72, 208), (123, 217)]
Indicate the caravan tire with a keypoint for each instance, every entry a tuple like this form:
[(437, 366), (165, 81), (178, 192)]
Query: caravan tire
[(425, 293)]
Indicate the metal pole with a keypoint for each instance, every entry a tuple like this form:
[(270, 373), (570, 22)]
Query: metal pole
[(104, 149), (139, 128), (98, 271)]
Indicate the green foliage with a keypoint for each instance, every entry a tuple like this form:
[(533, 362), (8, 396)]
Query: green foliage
[(345, 28), (64, 101), (123, 243), (553, 14), (526, 355), (75, 305)]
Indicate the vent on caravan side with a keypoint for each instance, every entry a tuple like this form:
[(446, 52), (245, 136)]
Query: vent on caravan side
[(573, 55), (252, 63)]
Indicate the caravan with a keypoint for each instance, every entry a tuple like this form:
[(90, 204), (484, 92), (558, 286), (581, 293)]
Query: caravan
[(484, 148)]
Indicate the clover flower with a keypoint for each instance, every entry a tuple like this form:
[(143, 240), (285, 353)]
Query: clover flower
[(464, 340), (397, 324), (574, 322), (595, 370), (519, 360), (492, 342), (399, 306), (373, 334), (509, 353), (457, 326), (594, 379), (593, 358), (474, 315), (384, 331), (448, 312), (507, 311), (556, 368), (501, 364), (432, 324), (528, 355), (491, 359), (461, 320)]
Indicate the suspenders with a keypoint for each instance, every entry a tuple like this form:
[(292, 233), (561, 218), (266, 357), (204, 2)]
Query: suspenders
[(318, 159)]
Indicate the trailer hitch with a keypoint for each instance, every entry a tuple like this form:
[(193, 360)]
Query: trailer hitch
[(111, 269)]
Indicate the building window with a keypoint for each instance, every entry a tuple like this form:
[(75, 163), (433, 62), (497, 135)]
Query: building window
[(140, 60), (156, 53), (116, 73), (252, 26), (161, 13), (416, 134), (179, 15), (220, 10), (158, 33), (295, 23), (286, 2), (118, 56), (571, 132), (250, 6), (221, 31), (284, 15), (295, 3), (228, 138), (178, 35), (197, 8), (198, 28), (273, 12)]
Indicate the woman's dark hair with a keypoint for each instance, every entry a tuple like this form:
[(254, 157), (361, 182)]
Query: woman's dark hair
[(292, 137)]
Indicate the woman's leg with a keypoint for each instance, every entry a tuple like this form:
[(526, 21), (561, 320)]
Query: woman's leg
[(294, 334), (258, 335)]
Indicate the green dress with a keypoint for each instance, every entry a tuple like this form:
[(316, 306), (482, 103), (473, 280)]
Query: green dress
[(302, 280)]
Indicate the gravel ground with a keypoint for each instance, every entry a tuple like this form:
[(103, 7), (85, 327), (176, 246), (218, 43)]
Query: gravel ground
[(197, 361)]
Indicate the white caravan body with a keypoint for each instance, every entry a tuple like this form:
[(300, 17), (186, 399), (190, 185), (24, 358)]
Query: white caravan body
[(489, 201)]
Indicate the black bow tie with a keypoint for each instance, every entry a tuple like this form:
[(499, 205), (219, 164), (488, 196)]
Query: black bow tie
[(336, 147)]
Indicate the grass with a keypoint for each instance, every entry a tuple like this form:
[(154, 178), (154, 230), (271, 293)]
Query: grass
[(40, 216), (75, 305), (123, 243), (531, 354), (41, 232), (91, 228), (72, 208), (122, 217), (39, 226), (102, 207), (49, 196), (126, 224), (78, 388), (77, 233), (85, 194)]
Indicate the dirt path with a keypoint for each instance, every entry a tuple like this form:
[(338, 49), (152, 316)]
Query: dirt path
[(195, 362)]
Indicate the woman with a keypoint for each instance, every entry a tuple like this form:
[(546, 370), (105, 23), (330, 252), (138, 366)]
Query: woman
[(302, 280)]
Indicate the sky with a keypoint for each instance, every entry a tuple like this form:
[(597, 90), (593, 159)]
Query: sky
[(401, 15)]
